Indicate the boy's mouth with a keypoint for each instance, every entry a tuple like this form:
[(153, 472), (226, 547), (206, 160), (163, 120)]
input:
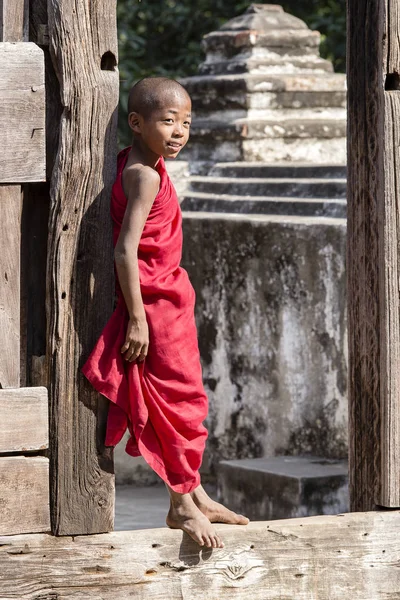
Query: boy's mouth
[(174, 145)]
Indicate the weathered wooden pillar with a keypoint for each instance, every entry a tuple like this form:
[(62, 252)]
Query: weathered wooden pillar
[(24, 471), (83, 47), (373, 266), (13, 28)]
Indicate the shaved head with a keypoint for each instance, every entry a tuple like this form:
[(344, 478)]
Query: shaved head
[(153, 93)]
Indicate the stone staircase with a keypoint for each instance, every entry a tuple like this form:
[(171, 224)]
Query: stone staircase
[(259, 188)]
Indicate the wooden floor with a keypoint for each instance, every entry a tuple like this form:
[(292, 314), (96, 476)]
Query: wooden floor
[(355, 556)]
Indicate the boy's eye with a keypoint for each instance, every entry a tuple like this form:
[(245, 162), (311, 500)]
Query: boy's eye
[(169, 120), (187, 123)]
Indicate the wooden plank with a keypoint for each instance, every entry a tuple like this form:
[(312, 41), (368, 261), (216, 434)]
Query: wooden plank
[(35, 216), (372, 255), (22, 113), (14, 20), (319, 558), (388, 493), (10, 238), (24, 495), (24, 419), (79, 268), (14, 27)]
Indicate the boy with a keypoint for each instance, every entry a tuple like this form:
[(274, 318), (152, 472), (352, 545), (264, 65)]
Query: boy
[(147, 360)]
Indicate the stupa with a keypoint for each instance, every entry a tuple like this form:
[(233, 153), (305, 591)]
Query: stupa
[(264, 94)]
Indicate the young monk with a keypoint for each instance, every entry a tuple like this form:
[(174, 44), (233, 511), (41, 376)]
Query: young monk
[(146, 360)]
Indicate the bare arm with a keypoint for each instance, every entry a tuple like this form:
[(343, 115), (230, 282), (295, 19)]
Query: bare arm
[(142, 186)]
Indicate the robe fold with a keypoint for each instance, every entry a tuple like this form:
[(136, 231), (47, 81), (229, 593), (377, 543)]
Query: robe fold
[(161, 400)]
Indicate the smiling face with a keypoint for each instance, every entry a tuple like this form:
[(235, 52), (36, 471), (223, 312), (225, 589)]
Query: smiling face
[(165, 131)]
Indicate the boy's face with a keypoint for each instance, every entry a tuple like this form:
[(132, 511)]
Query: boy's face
[(166, 130)]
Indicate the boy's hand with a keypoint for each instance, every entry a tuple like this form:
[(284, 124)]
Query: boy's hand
[(136, 340)]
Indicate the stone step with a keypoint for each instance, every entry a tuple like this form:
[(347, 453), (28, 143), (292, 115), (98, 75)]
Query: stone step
[(212, 100), (263, 205), (266, 150), (274, 65), (282, 487), (288, 187), (277, 82), (250, 169), (293, 42), (263, 128)]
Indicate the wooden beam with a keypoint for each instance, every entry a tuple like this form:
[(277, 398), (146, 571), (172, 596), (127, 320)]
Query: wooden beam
[(35, 216), (373, 250), (324, 558), (388, 493), (13, 28), (22, 113), (24, 420), (10, 239), (79, 268), (24, 495), (14, 20)]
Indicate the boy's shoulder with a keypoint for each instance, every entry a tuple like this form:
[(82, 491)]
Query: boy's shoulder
[(140, 172), (140, 181), (138, 175)]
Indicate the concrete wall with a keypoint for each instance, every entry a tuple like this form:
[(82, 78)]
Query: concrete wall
[(271, 316)]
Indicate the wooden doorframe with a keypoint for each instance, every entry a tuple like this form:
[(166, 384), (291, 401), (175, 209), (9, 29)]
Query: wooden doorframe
[(373, 68)]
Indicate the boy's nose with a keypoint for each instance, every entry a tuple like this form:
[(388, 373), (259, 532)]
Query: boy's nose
[(178, 130)]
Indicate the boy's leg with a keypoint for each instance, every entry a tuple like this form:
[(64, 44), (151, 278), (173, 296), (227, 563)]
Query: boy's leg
[(214, 511), (184, 514)]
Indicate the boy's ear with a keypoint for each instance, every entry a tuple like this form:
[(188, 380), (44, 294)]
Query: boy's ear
[(134, 122)]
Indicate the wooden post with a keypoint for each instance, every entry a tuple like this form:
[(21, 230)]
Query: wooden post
[(83, 47), (13, 28), (14, 21), (373, 250)]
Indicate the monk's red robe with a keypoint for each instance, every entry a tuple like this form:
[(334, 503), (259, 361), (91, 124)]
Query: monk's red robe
[(161, 400)]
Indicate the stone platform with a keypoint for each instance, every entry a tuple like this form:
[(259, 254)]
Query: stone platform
[(283, 486)]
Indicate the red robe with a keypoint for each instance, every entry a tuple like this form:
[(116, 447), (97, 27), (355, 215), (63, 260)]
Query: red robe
[(161, 400)]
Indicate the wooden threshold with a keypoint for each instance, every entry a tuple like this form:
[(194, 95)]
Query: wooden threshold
[(321, 558)]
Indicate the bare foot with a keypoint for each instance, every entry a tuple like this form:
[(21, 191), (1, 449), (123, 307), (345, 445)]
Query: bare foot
[(184, 514), (214, 511)]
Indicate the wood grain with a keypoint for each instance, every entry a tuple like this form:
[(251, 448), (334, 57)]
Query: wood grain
[(24, 419), (14, 20), (24, 495), (37, 23), (10, 238), (389, 491), (22, 113), (13, 28), (318, 558), (372, 254), (79, 267)]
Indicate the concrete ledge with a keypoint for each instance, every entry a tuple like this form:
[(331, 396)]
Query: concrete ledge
[(324, 558), (281, 487)]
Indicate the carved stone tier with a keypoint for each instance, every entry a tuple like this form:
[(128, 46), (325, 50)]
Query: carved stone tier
[(263, 93)]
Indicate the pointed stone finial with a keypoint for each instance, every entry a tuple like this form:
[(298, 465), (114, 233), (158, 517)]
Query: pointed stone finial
[(263, 18)]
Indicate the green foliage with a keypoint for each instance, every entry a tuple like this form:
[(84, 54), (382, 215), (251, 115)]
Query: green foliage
[(329, 18), (162, 37)]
